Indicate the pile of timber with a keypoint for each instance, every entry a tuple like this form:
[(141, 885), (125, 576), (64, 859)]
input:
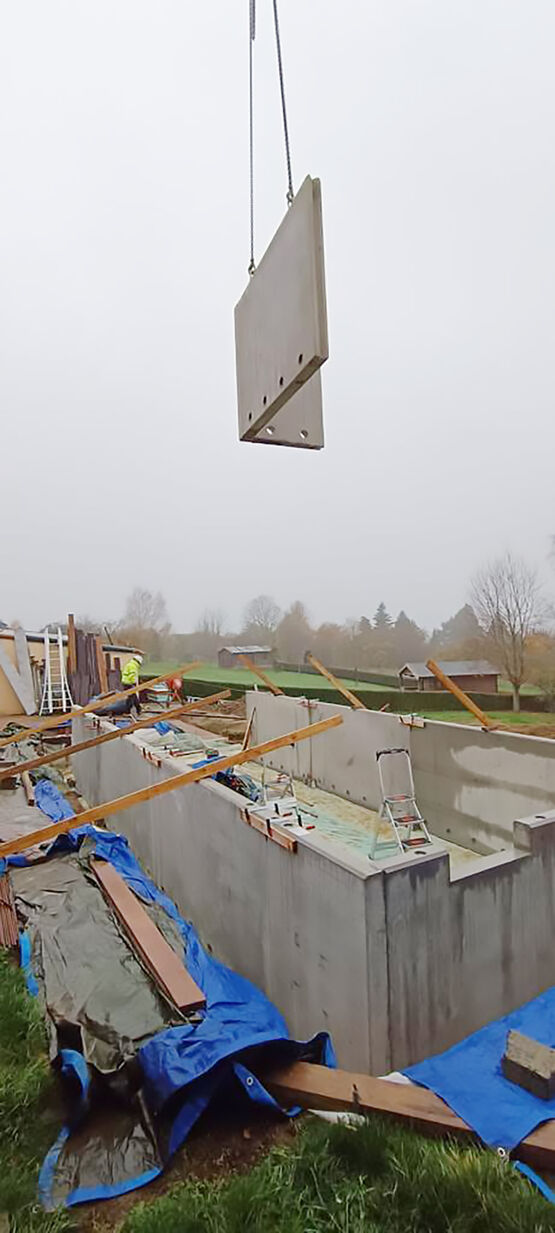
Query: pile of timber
[(89, 670)]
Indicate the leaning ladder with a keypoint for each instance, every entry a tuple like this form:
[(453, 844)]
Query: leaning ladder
[(56, 696), (399, 809)]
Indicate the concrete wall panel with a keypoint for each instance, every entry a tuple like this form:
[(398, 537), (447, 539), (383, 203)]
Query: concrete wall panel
[(470, 784), (281, 335)]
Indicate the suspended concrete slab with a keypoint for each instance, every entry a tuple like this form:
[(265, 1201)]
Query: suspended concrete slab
[(300, 423), (281, 331)]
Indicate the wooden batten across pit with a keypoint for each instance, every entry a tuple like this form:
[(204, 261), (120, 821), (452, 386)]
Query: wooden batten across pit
[(109, 808), (67, 750), (252, 667), (460, 695), (342, 689)]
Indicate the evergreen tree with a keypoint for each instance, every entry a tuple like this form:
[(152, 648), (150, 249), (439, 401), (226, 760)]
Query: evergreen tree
[(382, 619)]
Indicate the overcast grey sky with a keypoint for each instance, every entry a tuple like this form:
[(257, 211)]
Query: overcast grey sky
[(124, 247)]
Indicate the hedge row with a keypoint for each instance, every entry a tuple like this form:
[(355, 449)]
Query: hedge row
[(406, 703)]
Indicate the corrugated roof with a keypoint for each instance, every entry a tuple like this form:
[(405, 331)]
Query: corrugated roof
[(458, 667), (7, 632), (246, 650)]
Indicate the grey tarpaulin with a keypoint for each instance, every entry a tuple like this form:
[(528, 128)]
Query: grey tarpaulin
[(101, 1004), (138, 1075)]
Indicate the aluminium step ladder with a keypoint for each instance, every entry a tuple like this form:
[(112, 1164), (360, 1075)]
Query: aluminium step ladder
[(56, 696), (399, 807)]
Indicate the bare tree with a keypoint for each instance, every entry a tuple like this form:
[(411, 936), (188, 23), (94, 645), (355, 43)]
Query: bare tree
[(146, 610), (506, 600), (145, 621), (207, 638), (261, 619), (211, 622)]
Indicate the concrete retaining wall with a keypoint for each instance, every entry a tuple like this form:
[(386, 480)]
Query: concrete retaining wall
[(279, 918), (470, 784), (396, 962)]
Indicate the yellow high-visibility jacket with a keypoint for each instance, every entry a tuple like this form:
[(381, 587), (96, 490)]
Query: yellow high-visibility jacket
[(130, 674)]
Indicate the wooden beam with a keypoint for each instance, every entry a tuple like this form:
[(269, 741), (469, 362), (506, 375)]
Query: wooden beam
[(71, 644), (318, 1087), (101, 664), (121, 803), (355, 702), (248, 730), (252, 667), (67, 750), (265, 828), (163, 963), (97, 704), (447, 683)]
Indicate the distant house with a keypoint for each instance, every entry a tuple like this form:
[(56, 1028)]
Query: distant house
[(228, 656), (472, 675)]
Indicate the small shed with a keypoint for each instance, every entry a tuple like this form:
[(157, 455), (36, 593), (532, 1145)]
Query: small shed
[(229, 656), (471, 675)]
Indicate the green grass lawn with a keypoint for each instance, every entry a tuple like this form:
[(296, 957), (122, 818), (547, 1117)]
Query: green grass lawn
[(242, 676), (378, 1178), (526, 718), (28, 1121), (505, 687)]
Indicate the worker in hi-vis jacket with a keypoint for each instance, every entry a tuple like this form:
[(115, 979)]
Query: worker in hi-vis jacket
[(130, 679)]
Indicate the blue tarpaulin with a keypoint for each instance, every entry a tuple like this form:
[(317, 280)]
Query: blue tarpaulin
[(51, 801), (469, 1077), (188, 1063)]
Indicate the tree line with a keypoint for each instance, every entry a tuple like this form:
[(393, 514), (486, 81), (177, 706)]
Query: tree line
[(506, 621)]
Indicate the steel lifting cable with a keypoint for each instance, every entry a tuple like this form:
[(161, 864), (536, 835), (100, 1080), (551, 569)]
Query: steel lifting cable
[(290, 192), (252, 36)]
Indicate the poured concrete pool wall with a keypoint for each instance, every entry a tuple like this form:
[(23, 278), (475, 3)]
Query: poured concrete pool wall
[(470, 784), (396, 961)]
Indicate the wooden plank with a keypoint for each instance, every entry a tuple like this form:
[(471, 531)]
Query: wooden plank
[(67, 750), (18, 684), (266, 829), (9, 929), (447, 683), (248, 730), (355, 702), (121, 803), (162, 962), (97, 704), (71, 644), (318, 1087), (252, 667), (24, 662), (101, 664)]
